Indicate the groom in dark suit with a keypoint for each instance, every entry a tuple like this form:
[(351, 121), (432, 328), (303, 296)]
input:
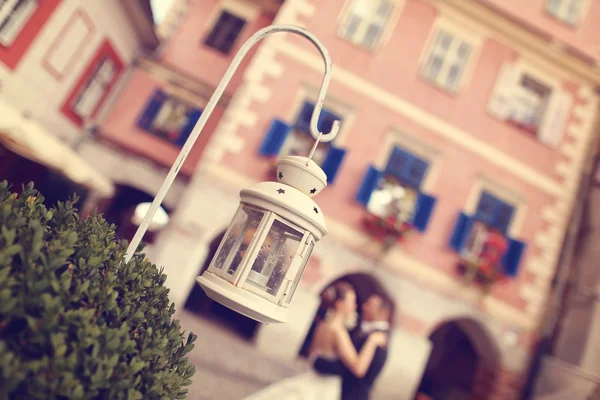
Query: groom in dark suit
[(375, 316)]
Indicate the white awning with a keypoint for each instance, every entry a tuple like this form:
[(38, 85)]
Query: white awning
[(31, 141)]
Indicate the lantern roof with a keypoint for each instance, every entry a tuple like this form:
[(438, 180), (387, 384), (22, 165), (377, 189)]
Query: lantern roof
[(298, 180)]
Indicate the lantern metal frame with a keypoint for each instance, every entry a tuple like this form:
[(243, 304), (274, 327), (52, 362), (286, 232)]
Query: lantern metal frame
[(218, 283), (240, 277)]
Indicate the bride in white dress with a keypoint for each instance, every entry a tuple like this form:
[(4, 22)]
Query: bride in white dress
[(330, 340)]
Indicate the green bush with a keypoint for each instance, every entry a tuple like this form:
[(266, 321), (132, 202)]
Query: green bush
[(75, 323)]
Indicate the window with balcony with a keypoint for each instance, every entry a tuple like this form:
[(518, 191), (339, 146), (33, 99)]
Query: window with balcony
[(225, 32), (14, 14), (283, 139), (394, 194), (94, 85), (447, 59), (365, 21), (567, 11), (482, 239), (169, 118), (530, 104)]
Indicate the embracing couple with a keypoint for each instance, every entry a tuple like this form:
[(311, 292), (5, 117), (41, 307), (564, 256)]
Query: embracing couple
[(345, 366)]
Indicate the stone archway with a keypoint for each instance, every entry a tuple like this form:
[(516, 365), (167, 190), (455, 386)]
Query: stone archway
[(200, 304), (463, 362), (365, 286)]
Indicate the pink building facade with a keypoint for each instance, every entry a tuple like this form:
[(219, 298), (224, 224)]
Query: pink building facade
[(465, 128)]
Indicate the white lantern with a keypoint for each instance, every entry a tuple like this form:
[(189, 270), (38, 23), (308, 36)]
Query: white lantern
[(266, 248), (262, 256)]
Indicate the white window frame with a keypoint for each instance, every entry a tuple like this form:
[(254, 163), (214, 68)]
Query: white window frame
[(386, 23), (15, 20), (507, 83), (95, 88), (485, 184), (561, 13), (459, 35)]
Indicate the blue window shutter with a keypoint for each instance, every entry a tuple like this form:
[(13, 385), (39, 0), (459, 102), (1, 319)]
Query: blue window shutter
[(512, 257), (425, 205), (274, 138), (193, 116), (303, 119), (369, 183), (152, 108), (415, 172), (461, 231), (503, 216), (332, 162), (397, 163), (486, 208), (494, 212), (406, 167)]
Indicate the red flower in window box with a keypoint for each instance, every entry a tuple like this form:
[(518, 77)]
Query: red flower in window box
[(486, 270), (386, 230)]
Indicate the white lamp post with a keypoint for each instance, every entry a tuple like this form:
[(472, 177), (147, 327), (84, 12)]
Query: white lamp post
[(268, 243)]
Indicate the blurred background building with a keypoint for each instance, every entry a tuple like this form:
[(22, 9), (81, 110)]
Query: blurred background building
[(467, 127)]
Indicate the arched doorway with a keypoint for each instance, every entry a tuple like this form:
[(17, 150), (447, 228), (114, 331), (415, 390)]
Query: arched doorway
[(365, 286), (200, 304), (462, 352)]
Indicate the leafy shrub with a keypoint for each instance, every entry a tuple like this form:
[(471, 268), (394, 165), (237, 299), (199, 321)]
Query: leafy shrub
[(75, 322)]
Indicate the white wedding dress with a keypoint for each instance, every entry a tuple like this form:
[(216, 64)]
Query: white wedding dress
[(307, 386)]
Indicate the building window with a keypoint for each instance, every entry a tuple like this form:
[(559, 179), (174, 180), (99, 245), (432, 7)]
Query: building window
[(365, 21), (396, 191), (447, 59), (225, 32), (530, 104), (94, 85), (483, 236), (295, 140), (90, 96), (169, 118), (567, 11), (14, 14)]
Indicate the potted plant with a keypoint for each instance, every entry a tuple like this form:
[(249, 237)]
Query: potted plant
[(75, 321)]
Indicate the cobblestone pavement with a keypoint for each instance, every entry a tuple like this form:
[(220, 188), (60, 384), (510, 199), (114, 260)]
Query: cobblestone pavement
[(228, 367)]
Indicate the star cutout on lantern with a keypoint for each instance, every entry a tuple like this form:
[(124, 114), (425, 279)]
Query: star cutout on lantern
[(281, 191), (316, 211), (313, 191), (280, 175)]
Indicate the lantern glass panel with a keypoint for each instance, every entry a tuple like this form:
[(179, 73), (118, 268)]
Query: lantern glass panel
[(294, 284), (274, 258), (235, 244)]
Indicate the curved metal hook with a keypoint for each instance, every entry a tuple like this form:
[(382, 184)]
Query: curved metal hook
[(189, 143), (314, 130)]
